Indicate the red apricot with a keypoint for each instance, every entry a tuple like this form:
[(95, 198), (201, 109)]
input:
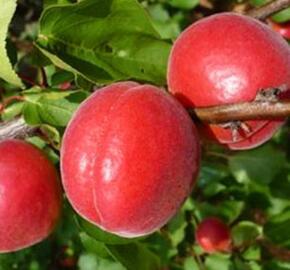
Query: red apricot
[(228, 58), (30, 195), (129, 158), (213, 235)]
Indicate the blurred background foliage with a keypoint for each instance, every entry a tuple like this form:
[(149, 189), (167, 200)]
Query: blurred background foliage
[(249, 190)]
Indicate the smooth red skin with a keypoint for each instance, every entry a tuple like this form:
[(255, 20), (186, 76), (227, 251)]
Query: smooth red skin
[(226, 58), (282, 28), (213, 235), (30, 196), (129, 158)]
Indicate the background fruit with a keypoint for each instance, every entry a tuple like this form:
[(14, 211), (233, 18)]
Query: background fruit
[(213, 235), (282, 28), (228, 58), (130, 157), (30, 196)]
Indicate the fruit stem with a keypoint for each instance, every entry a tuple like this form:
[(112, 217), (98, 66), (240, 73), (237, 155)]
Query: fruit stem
[(261, 13)]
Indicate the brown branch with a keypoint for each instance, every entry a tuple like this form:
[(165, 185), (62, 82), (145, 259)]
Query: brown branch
[(267, 10), (256, 110), (276, 251), (16, 128), (7, 101)]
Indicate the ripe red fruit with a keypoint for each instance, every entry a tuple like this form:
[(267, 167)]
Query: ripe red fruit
[(129, 158), (227, 58), (30, 195), (213, 235), (282, 28)]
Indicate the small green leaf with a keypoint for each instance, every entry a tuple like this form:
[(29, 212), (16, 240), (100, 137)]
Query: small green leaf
[(12, 111), (89, 261), (245, 232), (30, 114), (190, 264), (135, 256), (56, 112), (218, 261), (184, 4), (100, 235), (7, 73), (61, 77), (276, 265), (260, 165), (282, 16), (277, 229), (93, 246), (229, 210), (52, 134), (53, 107), (252, 253), (258, 2)]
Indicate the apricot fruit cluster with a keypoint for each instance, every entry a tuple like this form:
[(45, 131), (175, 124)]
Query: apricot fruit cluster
[(131, 153)]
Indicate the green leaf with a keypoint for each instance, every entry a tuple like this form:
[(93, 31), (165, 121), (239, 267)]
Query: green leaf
[(282, 16), (190, 264), (61, 77), (56, 112), (218, 261), (167, 27), (100, 235), (260, 165), (48, 3), (53, 107), (52, 134), (277, 229), (7, 73), (12, 111), (257, 2), (30, 114), (93, 246), (135, 256), (240, 265), (115, 41), (245, 232), (92, 262), (252, 253), (229, 210), (128, 252), (276, 265), (184, 4)]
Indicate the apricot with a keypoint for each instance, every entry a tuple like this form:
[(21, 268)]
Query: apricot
[(30, 196), (129, 158), (213, 235), (228, 58)]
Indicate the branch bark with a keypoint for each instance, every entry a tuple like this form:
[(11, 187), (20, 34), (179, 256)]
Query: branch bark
[(267, 10), (16, 128), (256, 110)]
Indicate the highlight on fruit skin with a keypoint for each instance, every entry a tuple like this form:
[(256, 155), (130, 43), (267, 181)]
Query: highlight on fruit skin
[(213, 235), (30, 196), (228, 58), (129, 158)]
